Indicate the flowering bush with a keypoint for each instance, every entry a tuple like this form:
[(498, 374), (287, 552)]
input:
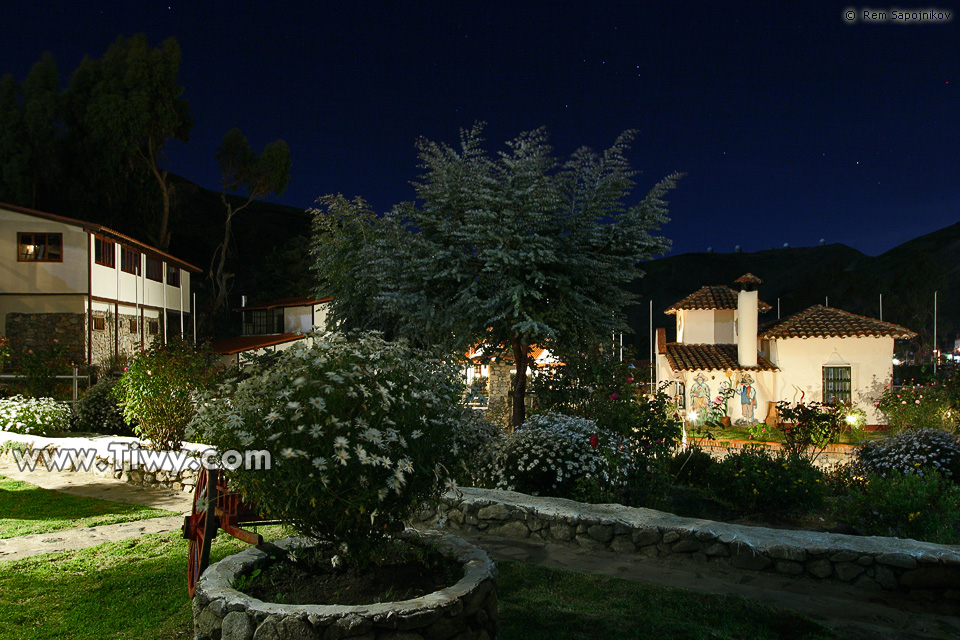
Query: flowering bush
[(97, 411), (39, 368), (922, 507), (474, 438), (361, 433), (754, 481), (918, 406), (35, 416), (157, 393), (914, 451), (546, 455)]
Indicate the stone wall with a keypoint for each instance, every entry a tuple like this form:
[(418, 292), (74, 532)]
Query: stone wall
[(37, 331), (868, 562), (464, 611), (104, 343)]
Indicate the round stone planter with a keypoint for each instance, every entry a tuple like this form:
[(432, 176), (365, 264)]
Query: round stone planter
[(466, 610)]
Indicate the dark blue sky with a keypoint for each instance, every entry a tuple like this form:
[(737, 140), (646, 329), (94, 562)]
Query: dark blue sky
[(790, 124)]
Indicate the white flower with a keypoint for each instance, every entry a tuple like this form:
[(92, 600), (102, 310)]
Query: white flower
[(320, 464), (272, 417), (316, 431), (341, 456), (318, 403), (288, 453), (340, 442), (416, 434), (294, 405)]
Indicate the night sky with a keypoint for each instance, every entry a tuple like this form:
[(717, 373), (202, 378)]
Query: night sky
[(790, 124)]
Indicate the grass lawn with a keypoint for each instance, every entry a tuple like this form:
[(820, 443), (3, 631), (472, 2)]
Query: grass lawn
[(26, 509), (773, 435), (137, 589)]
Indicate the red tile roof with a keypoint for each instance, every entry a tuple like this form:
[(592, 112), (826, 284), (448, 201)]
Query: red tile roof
[(710, 357), (714, 297), (302, 301), (231, 346), (826, 322), (104, 231)]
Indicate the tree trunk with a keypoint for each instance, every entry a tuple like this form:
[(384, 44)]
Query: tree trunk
[(520, 353)]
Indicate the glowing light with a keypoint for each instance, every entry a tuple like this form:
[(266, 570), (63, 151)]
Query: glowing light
[(693, 415), (851, 419)]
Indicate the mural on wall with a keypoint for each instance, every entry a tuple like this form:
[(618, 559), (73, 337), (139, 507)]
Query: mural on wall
[(748, 397), (723, 394), (699, 398)]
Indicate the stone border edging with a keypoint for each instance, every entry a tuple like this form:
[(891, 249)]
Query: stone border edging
[(466, 610), (868, 562)]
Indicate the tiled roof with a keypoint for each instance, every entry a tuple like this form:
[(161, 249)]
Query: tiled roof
[(713, 297), (231, 346), (302, 301), (104, 231), (710, 357), (478, 354), (749, 278), (826, 322)]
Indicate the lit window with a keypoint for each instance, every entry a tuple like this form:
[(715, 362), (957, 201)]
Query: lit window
[(836, 385), (40, 247), (103, 252)]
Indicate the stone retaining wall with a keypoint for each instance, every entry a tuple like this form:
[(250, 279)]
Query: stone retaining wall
[(464, 611), (868, 562)]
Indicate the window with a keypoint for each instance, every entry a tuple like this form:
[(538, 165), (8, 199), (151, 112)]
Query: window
[(173, 275), (129, 260), (154, 269), (99, 323), (153, 326), (40, 247), (262, 322), (133, 325), (103, 251), (836, 385)]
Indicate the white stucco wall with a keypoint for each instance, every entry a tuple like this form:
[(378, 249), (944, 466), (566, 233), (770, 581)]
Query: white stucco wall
[(801, 361), (699, 326), (69, 276)]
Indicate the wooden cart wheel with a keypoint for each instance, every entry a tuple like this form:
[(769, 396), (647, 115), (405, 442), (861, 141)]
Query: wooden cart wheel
[(200, 527)]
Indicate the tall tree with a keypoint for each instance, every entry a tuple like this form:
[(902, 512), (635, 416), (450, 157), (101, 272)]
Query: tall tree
[(29, 135), (257, 175), (516, 249), (122, 110)]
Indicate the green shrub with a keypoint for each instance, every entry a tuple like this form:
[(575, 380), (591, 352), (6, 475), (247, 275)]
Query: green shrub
[(906, 505), (474, 440), (806, 429), (919, 406), (39, 368), (361, 433), (691, 466), (914, 451), (34, 416), (753, 480), (158, 391), (97, 411), (546, 455)]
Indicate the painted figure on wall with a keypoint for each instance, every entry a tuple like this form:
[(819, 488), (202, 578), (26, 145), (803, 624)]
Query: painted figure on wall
[(723, 394), (748, 397), (699, 399)]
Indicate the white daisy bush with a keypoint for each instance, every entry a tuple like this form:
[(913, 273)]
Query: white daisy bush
[(34, 416), (547, 455), (913, 451), (361, 433)]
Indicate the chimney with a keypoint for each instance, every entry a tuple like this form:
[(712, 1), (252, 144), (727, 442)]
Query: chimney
[(747, 310)]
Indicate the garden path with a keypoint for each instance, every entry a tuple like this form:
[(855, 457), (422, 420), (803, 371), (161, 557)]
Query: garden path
[(90, 486)]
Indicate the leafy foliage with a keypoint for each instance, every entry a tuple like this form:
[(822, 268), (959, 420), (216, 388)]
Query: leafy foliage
[(158, 392), (919, 406), (907, 505), (40, 368), (808, 428), (515, 249), (361, 433), (97, 411), (34, 416), (914, 451), (691, 466), (754, 481)]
